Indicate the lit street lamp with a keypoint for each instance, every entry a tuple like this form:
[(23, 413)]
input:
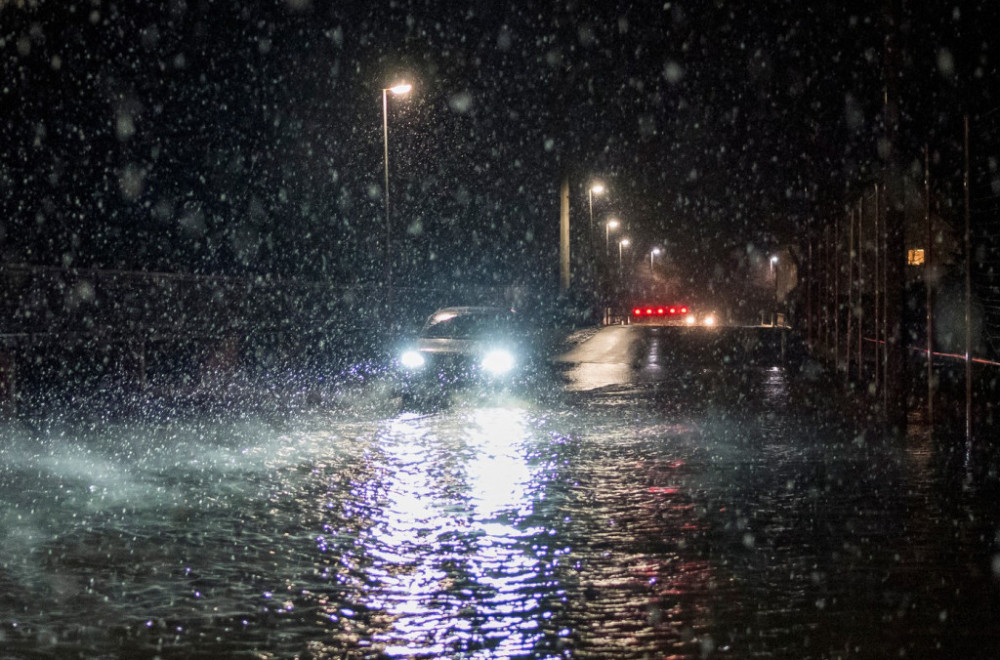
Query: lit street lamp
[(654, 253), (608, 226), (401, 88), (621, 244), (774, 260)]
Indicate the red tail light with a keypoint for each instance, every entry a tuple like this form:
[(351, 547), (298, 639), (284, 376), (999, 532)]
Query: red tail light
[(660, 311), (673, 310), (637, 312), (684, 310)]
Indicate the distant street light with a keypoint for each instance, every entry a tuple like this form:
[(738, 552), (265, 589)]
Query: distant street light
[(401, 88), (608, 226), (774, 260), (654, 253), (624, 243)]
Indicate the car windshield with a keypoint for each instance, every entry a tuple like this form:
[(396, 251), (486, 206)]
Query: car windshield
[(468, 325)]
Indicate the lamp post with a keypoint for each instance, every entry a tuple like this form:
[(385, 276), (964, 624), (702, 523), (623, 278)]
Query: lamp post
[(774, 260), (655, 252), (595, 189), (621, 244), (608, 226), (401, 88)]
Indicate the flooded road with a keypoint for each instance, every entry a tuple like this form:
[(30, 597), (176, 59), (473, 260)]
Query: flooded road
[(670, 494)]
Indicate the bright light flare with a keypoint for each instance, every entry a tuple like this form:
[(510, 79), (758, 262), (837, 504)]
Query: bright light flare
[(690, 320), (498, 362), (412, 360), (709, 320), (401, 88)]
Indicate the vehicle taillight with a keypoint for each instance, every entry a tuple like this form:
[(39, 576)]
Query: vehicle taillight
[(684, 310), (649, 310), (660, 311), (637, 312), (673, 310)]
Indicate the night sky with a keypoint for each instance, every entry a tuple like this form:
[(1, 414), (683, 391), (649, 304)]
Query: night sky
[(246, 137)]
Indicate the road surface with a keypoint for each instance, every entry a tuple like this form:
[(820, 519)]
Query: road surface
[(669, 493)]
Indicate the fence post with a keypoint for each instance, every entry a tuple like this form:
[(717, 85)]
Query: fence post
[(877, 285), (968, 290), (928, 258), (850, 295), (861, 289), (836, 292)]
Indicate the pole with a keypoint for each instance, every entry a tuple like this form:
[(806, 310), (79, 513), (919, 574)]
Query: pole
[(968, 291), (879, 351), (564, 235), (895, 206), (861, 289), (590, 201), (809, 297), (850, 294), (885, 303), (928, 288), (836, 292), (827, 290), (388, 227)]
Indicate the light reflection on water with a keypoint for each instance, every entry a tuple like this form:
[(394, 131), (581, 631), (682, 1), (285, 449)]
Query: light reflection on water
[(452, 569)]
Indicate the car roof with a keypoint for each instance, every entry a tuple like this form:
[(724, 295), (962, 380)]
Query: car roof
[(474, 309)]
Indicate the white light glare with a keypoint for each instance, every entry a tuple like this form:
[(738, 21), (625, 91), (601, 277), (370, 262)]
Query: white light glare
[(709, 320), (498, 362), (690, 319), (412, 359)]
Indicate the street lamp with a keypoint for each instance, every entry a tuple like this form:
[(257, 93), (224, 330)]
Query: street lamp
[(621, 244), (595, 189), (401, 88), (608, 226), (654, 253), (774, 260)]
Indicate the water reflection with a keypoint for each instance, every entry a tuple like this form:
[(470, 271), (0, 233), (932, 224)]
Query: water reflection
[(451, 571)]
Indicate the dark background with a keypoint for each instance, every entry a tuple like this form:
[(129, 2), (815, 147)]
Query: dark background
[(245, 138)]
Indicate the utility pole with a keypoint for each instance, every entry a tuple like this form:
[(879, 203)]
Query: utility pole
[(895, 248), (564, 235)]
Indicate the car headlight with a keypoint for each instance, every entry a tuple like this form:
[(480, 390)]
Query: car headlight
[(709, 320), (412, 360), (498, 361)]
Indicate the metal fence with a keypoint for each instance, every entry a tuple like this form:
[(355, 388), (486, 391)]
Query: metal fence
[(951, 292)]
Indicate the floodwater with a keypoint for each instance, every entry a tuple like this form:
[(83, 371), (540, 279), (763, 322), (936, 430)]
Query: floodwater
[(649, 506)]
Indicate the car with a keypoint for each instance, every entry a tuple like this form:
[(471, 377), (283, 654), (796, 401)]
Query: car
[(479, 347), (669, 314)]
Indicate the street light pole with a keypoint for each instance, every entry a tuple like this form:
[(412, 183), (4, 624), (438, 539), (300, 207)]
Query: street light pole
[(621, 244), (596, 188), (774, 260), (608, 226), (401, 88), (653, 253)]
